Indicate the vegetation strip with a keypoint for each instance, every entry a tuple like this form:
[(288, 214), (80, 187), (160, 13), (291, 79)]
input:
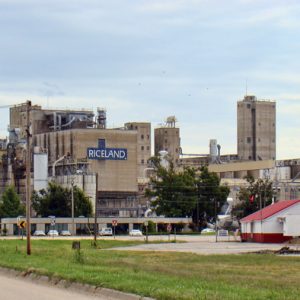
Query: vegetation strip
[(158, 275)]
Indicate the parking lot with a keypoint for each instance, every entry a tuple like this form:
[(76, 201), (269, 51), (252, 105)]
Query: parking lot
[(199, 244), (204, 245)]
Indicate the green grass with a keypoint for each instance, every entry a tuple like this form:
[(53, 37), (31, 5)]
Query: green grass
[(160, 275)]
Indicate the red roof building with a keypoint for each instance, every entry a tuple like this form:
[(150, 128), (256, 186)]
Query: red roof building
[(275, 223)]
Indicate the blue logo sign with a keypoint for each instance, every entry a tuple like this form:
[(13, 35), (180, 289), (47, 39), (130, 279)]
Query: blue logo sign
[(102, 153)]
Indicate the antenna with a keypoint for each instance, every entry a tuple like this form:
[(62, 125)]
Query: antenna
[(246, 86)]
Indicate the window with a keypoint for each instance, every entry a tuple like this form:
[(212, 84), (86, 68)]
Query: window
[(249, 140), (142, 136), (166, 141), (250, 157), (248, 105), (148, 136), (142, 147), (148, 147), (142, 161)]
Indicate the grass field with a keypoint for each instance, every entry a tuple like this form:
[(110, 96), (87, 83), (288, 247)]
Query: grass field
[(160, 275)]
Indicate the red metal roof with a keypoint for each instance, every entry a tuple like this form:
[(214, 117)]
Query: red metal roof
[(270, 210)]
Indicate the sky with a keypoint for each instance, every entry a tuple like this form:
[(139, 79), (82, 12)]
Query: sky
[(147, 60)]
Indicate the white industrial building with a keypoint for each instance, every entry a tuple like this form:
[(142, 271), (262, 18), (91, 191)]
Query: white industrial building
[(275, 223)]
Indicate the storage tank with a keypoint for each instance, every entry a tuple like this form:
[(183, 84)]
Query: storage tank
[(164, 158), (40, 161), (213, 150)]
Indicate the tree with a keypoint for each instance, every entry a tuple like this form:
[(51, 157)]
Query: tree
[(258, 194), (10, 205), (82, 203), (211, 196), (173, 193), (57, 200)]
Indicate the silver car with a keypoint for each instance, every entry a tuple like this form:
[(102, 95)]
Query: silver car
[(65, 233), (105, 231), (52, 233), (39, 233), (135, 232)]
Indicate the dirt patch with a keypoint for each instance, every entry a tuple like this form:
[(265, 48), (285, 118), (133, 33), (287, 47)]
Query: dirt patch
[(282, 251)]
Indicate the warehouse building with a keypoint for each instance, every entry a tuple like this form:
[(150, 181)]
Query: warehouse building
[(275, 223)]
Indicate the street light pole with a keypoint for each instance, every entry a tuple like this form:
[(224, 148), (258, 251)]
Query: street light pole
[(28, 167), (95, 221), (72, 194), (197, 207)]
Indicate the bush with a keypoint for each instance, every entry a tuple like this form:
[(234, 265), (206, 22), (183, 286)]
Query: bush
[(178, 227), (151, 227), (4, 231), (193, 226)]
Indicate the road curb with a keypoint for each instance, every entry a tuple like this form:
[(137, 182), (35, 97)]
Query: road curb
[(77, 287)]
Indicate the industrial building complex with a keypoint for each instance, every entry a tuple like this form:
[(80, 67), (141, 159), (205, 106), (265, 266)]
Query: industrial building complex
[(111, 164)]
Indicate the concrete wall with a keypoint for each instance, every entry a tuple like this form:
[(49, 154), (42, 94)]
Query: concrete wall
[(143, 130), (112, 175), (86, 182), (246, 166)]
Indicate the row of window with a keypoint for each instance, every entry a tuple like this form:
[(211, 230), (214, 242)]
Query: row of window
[(143, 137), (166, 132), (143, 148), (249, 140)]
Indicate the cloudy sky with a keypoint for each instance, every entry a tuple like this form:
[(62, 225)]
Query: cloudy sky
[(146, 60)]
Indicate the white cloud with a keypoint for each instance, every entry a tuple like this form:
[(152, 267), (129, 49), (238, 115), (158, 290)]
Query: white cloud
[(169, 6)]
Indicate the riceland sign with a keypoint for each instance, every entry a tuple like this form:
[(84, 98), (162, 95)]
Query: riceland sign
[(103, 153)]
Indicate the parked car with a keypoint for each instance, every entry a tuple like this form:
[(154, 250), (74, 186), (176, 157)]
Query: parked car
[(65, 233), (52, 233), (105, 231), (207, 230), (39, 233), (135, 232)]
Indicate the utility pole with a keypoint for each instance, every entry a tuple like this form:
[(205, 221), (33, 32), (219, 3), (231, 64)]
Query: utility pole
[(28, 176), (260, 208), (95, 221), (216, 225), (197, 208), (72, 202)]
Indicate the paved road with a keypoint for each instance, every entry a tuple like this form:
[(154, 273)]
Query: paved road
[(12, 288), (205, 247)]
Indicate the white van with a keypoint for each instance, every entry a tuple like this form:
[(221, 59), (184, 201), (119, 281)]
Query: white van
[(105, 231)]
